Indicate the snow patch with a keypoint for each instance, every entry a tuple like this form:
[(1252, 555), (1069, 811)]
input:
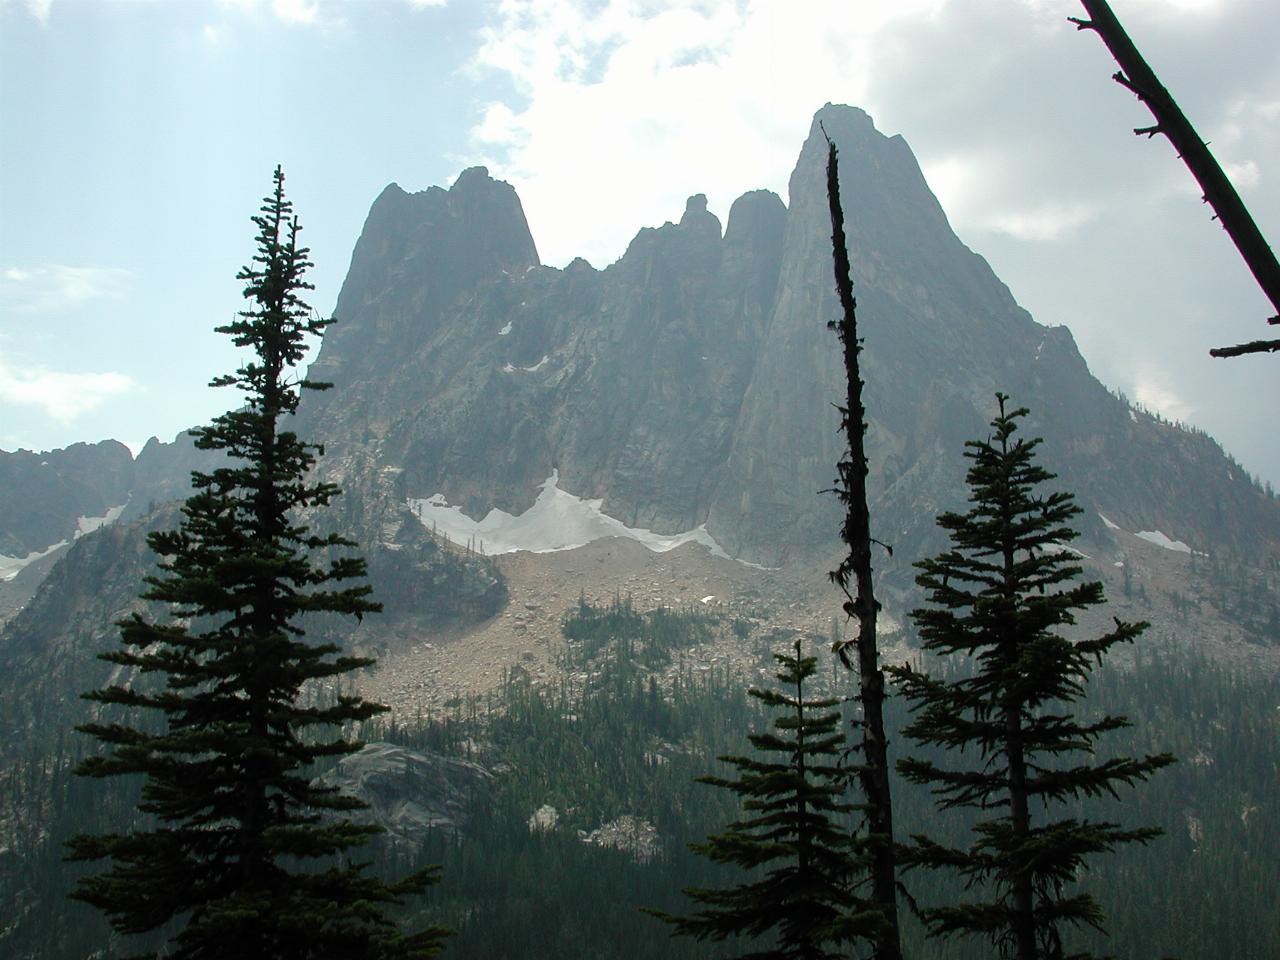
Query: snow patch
[(1107, 523), (89, 524), (557, 521), (505, 330), (708, 598), (1133, 416), (1054, 547), (509, 368), (1160, 540), (11, 566)]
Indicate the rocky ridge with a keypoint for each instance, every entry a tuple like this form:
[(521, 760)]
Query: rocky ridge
[(692, 381)]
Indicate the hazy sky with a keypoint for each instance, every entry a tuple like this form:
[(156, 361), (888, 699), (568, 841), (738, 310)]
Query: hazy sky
[(137, 136)]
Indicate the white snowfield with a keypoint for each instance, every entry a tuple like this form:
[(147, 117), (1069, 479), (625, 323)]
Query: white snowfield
[(1153, 536), (89, 524), (1160, 540), (557, 521), (1055, 547), (11, 566)]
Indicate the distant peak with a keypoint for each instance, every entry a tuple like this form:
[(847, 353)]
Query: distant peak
[(389, 198), (843, 115), (755, 213), (472, 176), (697, 218)]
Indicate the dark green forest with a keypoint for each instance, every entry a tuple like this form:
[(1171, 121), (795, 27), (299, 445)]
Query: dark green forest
[(639, 716)]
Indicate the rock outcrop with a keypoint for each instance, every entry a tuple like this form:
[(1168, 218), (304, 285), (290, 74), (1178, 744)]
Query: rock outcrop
[(410, 793)]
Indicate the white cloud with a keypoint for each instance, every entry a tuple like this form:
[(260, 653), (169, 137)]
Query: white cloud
[(424, 4), (56, 288), (951, 178), (39, 9), (305, 12), (295, 11), (1050, 221), (1245, 175), (1163, 7), (1151, 388), (62, 396), (669, 98)]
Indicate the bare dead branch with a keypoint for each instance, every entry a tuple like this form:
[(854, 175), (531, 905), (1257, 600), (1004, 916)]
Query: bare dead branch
[(1253, 346), (1135, 75)]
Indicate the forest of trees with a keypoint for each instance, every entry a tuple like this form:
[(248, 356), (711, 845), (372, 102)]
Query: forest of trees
[(618, 745)]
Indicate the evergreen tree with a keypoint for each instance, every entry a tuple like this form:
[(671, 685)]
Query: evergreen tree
[(794, 810), (998, 594), (241, 848)]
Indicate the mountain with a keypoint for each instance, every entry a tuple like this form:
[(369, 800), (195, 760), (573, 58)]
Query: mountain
[(683, 392), (628, 381), (691, 382), (55, 496)]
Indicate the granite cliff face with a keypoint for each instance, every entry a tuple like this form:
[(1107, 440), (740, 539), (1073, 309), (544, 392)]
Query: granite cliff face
[(628, 380), (691, 381)]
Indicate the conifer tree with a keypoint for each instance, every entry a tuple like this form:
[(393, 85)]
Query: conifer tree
[(793, 836), (238, 846), (998, 595)]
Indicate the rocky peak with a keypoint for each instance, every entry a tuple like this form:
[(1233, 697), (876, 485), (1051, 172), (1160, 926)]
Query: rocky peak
[(419, 252), (758, 217), (698, 220)]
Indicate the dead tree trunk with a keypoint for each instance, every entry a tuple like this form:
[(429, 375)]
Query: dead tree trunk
[(860, 602), (1229, 209)]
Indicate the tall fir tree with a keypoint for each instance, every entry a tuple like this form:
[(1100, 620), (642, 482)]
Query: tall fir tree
[(998, 595), (242, 850), (794, 838)]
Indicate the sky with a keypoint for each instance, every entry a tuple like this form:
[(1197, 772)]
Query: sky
[(138, 136)]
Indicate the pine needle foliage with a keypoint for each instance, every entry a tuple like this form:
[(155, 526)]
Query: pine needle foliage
[(794, 837), (997, 596), (243, 852)]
